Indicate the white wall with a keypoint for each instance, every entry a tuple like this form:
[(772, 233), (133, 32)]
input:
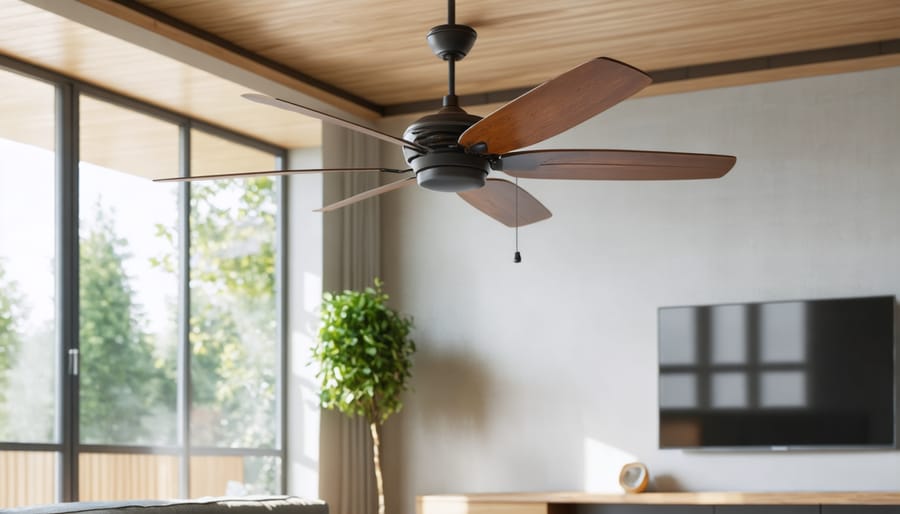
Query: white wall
[(304, 282), (542, 375)]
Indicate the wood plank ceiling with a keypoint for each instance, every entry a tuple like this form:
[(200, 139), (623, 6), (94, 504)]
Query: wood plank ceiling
[(36, 36), (375, 50)]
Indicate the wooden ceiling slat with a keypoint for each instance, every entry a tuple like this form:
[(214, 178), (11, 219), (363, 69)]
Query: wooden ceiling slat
[(50, 41), (376, 49)]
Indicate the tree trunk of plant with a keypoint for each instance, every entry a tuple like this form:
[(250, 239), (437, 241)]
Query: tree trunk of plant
[(376, 459)]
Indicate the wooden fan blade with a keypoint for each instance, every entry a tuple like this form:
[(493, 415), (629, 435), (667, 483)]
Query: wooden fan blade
[(380, 190), (555, 106), (306, 111), (614, 165), (272, 173), (497, 199)]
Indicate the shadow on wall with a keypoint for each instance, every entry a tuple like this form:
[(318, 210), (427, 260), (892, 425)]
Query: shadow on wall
[(665, 484), (454, 396), (450, 395)]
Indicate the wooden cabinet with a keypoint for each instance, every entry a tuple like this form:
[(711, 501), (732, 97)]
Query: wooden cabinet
[(662, 503), (767, 509), (860, 509), (641, 509)]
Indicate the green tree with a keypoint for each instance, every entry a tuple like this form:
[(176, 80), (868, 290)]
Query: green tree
[(10, 336), (364, 355), (233, 325), (27, 374), (121, 378)]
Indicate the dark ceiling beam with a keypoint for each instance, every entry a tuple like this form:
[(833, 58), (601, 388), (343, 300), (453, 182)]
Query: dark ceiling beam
[(770, 62)]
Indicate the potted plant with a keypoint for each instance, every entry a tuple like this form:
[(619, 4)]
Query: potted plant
[(364, 355)]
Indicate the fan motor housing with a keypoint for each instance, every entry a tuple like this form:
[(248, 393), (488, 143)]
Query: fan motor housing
[(450, 171), (446, 167)]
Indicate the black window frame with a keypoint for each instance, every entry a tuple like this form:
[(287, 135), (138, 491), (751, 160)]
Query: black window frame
[(68, 91)]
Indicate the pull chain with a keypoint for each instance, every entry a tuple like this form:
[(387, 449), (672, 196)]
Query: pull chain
[(517, 257)]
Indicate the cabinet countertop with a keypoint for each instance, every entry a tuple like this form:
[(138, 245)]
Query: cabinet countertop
[(679, 498)]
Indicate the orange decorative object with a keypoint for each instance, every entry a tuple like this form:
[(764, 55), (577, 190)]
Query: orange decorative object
[(634, 477)]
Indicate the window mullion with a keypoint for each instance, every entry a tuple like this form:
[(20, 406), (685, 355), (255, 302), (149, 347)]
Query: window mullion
[(281, 281), (67, 283), (184, 311)]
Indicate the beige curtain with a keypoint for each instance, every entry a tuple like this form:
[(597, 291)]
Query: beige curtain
[(352, 260)]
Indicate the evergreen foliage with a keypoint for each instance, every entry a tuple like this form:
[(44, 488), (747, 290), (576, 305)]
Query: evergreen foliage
[(10, 338), (121, 380)]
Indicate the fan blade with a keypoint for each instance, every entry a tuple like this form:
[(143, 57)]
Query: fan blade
[(306, 111), (498, 200), (393, 186), (272, 173), (614, 165), (555, 106)]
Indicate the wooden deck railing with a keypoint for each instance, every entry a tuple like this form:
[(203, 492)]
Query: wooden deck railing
[(29, 478)]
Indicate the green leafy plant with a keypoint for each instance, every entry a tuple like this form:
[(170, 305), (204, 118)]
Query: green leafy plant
[(364, 355)]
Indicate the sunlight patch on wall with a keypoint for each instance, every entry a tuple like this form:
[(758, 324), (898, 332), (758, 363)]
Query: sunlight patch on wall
[(602, 464)]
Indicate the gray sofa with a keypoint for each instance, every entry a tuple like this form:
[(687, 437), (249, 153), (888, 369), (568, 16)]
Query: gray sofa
[(248, 505)]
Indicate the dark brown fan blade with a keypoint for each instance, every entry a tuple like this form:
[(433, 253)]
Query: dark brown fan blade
[(497, 199), (555, 106), (614, 165), (306, 111), (272, 173), (393, 186)]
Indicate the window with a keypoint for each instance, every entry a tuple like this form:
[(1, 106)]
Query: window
[(148, 324), (128, 304), (28, 374), (233, 324)]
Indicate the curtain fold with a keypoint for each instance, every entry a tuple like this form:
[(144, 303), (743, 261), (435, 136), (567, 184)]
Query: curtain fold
[(352, 260)]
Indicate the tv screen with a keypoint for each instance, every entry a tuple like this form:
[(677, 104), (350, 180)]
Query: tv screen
[(778, 375)]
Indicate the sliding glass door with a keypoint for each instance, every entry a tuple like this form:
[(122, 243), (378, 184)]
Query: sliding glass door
[(128, 305), (141, 339), (29, 409)]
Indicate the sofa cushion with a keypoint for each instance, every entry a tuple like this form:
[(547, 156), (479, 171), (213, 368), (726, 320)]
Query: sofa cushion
[(243, 505)]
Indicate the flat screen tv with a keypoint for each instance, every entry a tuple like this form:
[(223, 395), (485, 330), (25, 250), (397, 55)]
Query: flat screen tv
[(778, 375)]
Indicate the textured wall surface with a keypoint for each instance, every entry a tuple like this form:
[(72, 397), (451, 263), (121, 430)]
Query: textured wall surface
[(542, 375)]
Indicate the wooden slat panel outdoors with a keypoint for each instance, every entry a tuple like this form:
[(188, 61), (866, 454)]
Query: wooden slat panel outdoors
[(210, 475), (112, 476), (29, 478)]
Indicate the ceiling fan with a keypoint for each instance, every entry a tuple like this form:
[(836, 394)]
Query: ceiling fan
[(453, 151)]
